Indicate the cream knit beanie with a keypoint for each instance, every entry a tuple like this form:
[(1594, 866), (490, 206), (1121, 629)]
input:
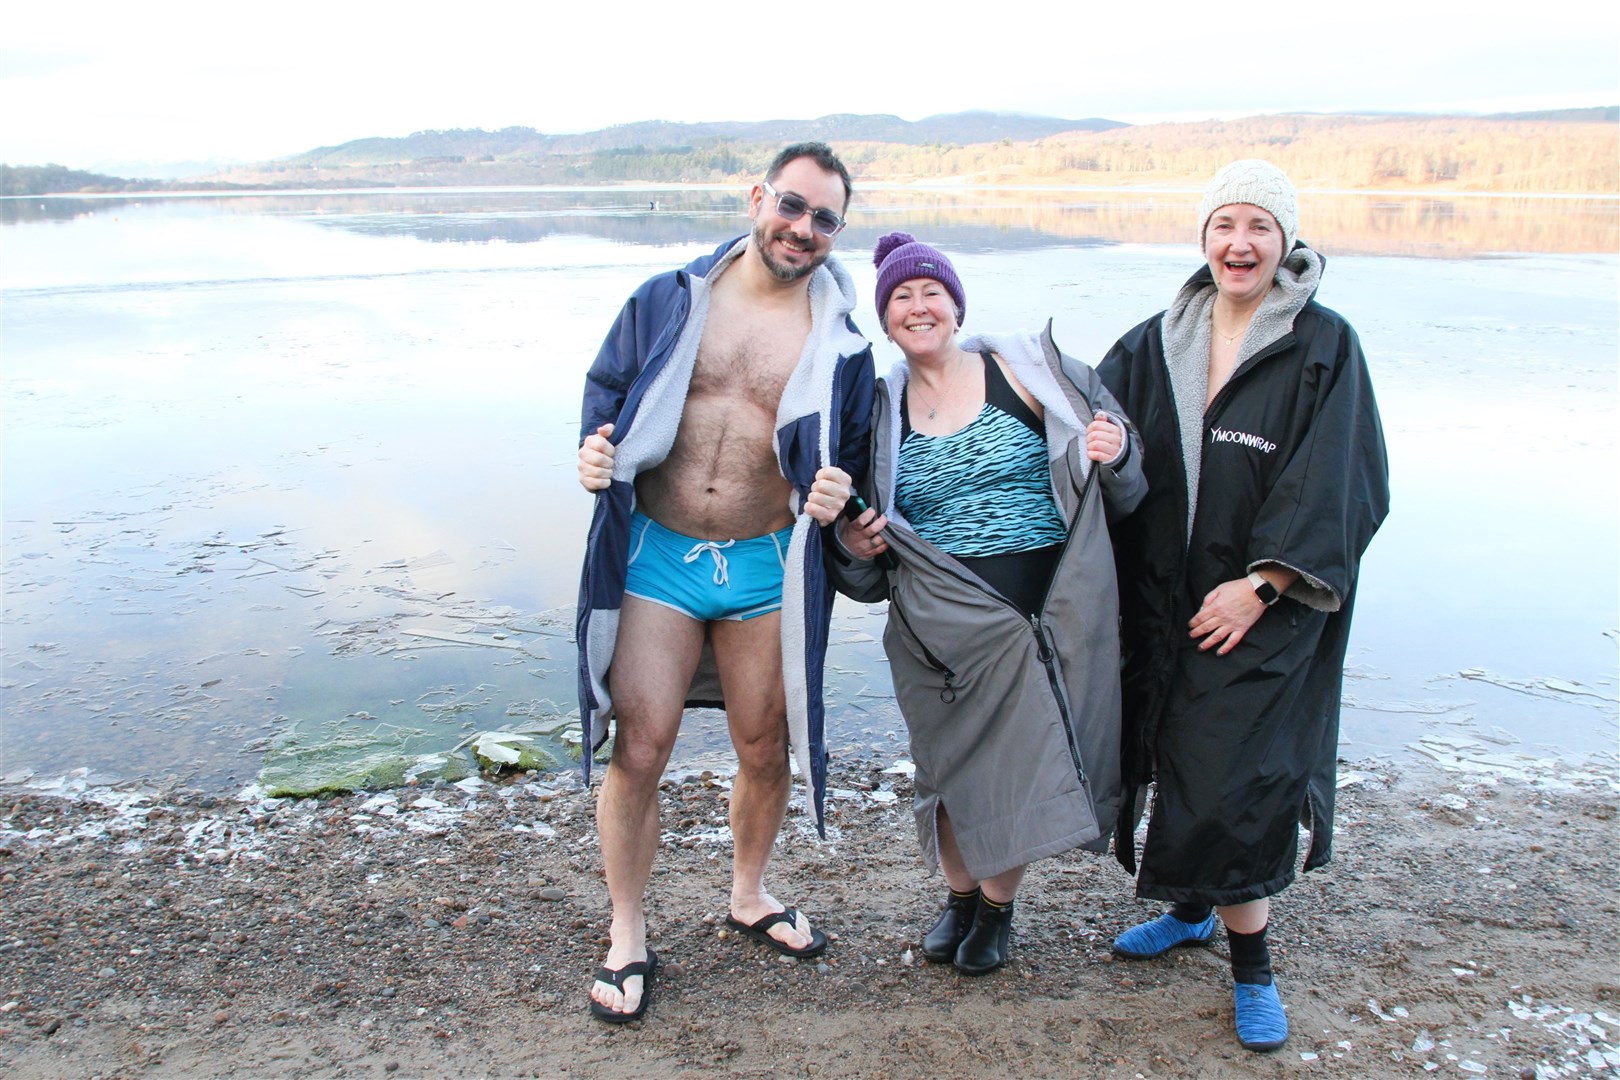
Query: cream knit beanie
[(1258, 183)]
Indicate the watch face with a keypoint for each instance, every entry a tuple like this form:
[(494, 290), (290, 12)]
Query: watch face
[(1267, 592)]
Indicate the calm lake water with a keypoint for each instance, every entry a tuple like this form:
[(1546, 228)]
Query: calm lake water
[(306, 461)]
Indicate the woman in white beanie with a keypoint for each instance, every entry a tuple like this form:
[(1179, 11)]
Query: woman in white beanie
[(1267, 479)]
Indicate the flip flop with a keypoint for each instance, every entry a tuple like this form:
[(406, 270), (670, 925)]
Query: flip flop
[(760, 931), (615, 979)]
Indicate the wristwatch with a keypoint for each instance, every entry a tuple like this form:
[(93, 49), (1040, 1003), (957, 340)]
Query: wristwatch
[(1265, 590)]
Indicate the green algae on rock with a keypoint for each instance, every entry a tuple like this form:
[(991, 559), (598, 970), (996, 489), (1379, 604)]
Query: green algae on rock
[(300, 763)]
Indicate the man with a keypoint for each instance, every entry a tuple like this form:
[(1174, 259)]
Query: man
[(724, 418)]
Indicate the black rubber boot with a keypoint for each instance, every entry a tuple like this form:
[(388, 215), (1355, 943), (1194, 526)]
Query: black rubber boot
[(939, 944), (985, 947)]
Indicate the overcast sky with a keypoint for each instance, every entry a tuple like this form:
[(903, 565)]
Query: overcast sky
[(98, 83)]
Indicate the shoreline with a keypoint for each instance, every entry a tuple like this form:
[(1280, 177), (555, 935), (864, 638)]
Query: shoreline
[(1462, 928), (1188, 186)]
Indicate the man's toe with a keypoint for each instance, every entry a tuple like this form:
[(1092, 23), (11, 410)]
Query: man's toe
[(620, 1002), (796, 936)]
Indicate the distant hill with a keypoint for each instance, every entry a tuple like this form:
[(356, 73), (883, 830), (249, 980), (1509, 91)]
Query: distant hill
[(1576, 151), (1566, 151), (1515, 156), (520, 143), (49, 179), (1596, 115)]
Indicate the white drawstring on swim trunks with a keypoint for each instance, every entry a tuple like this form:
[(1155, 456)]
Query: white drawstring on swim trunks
[(722, 573)]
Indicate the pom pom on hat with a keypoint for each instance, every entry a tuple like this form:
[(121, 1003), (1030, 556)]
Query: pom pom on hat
[(1257, 183), (888, 244), (900, 257)]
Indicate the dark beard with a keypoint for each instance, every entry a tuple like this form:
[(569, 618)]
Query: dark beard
[(762, 241)]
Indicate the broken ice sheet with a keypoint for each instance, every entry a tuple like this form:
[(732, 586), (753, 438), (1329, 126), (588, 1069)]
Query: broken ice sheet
[(1464, 755), (429, 561), (1377, 1010), (462, 639), (385, 803), (509, 748), (544, 717), (1421, 708), (1546, 686)]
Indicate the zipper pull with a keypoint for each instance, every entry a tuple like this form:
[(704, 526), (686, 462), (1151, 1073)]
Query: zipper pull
[(1044, 654)]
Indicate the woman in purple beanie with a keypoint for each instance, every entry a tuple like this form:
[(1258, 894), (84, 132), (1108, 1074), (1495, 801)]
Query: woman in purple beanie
[(996, 463)]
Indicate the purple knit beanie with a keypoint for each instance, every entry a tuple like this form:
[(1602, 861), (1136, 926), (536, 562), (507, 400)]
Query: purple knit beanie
[(900, 257)]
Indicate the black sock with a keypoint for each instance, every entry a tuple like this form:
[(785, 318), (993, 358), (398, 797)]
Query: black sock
[(998, 905), (1191, 913), (963, 895), (1251, 960)]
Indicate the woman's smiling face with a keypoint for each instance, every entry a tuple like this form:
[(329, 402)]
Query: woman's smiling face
[(921, 316), (1243, 244)]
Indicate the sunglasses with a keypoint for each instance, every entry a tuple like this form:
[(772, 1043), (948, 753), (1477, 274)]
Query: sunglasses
[(791, 207)]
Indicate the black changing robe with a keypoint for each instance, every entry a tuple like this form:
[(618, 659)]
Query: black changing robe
[(1289, 468)]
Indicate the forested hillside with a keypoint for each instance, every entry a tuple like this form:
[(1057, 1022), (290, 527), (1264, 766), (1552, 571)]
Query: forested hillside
[(1323, 152), (1316, 151), (48, 179), (1568, 152)]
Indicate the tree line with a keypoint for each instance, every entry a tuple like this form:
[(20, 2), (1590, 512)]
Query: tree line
[(60, 180), (1513, 156), (1317, 152)]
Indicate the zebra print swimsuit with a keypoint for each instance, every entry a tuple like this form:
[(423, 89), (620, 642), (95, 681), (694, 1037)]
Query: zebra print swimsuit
[(984, 493)]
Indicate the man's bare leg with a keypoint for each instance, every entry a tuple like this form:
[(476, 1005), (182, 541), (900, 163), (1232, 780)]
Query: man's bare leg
[(749, 658), (657, 651)]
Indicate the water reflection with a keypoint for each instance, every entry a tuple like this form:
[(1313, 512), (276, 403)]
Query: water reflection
[(1434, 226)]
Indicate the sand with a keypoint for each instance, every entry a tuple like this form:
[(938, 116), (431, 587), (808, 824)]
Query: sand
[(1466, 926)]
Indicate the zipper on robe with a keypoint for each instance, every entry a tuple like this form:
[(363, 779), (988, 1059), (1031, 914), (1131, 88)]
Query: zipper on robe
[(1043, 653)]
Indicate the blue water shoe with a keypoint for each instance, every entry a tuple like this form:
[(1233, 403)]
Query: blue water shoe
[(1161, 935), (1261, 1024)]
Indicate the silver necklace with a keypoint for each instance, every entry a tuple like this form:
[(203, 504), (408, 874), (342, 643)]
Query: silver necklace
[(944, 388), (1223, 335)]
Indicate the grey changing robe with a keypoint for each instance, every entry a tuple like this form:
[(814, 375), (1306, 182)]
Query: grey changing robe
[(1014, 722)]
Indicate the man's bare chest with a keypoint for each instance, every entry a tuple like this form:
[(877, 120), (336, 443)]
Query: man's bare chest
[(747, 361)]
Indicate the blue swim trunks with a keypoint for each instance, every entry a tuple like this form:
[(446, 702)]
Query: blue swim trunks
[(706, 580)]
